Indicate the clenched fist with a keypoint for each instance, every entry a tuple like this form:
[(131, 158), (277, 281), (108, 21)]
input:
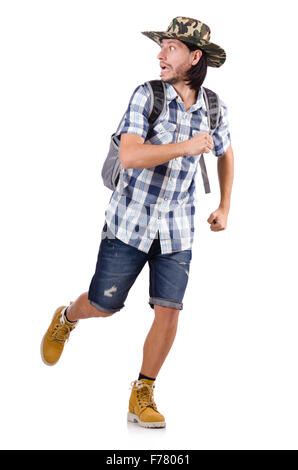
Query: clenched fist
[(200, 143)]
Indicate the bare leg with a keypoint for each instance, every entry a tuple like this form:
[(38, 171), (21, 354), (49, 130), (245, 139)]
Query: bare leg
[(159, 340), (82, 308)]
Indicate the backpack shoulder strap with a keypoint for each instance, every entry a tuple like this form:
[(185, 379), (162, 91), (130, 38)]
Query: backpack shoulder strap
[(157, 101), (213, 108), (213, 113)]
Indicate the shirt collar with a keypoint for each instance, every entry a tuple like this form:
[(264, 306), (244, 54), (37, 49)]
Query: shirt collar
[(172, 94)]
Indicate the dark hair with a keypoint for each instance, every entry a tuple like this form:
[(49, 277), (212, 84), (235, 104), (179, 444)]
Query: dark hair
[(196, 75)]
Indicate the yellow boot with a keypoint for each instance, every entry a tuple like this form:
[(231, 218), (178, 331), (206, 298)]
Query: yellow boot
[(142, 409), (53, 341)]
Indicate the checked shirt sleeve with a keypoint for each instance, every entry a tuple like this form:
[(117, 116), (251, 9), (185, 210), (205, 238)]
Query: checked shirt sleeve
[(136, 117), (221, 136)]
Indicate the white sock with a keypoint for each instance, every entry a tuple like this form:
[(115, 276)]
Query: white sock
[(64, 314)]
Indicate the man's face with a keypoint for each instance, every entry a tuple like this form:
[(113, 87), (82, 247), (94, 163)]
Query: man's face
[(177, 58)]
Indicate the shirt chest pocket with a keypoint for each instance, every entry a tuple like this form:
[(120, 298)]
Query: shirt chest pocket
[(163, 133), (203, 128)]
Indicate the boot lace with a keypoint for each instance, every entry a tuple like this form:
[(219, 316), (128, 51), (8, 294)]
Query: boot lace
[(61, 331), (144, 394)]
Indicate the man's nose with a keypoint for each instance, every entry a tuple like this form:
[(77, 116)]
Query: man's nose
[(161, 54)]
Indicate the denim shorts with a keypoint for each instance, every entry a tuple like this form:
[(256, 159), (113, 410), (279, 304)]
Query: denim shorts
[(119, 264)]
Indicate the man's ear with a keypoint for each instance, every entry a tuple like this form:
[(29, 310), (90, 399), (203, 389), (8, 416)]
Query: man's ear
[(196, 56)]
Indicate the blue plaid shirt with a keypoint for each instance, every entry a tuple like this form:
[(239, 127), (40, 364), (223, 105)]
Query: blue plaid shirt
[(162, 198)]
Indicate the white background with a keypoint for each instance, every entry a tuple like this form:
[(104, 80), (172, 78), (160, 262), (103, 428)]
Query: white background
[(68, 69)]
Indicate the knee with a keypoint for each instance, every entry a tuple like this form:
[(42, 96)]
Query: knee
[(103, 314), (95, 311), (166, 316)]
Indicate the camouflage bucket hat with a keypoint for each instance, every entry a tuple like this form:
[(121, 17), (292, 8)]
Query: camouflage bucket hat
[(194, 32)]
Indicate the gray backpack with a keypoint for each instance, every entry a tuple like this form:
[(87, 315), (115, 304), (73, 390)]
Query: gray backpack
[(112, 166)]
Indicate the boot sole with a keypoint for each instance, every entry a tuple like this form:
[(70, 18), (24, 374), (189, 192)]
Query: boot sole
[(132, 418)]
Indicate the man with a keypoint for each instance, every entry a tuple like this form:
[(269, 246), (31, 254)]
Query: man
[(150, 216)]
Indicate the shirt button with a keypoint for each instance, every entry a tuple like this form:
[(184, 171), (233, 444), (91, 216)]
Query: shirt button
[(166, 198), (159, 216)]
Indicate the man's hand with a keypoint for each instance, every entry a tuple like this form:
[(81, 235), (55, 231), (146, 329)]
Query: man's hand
[(218, 220), (200, 143)]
